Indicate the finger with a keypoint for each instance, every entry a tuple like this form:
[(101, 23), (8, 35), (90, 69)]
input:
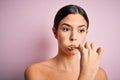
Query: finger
[(87, 45), (100, 51), (81, 48), (92, 46)]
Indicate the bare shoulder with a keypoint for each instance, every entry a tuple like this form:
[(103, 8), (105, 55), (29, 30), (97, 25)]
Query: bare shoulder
[(33, 72), (36, 71), (101, 75)]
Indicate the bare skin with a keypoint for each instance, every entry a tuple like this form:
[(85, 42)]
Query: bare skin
[(66, 65)]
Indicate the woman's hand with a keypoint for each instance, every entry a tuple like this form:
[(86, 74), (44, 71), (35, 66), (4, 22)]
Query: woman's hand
[(90, 60)]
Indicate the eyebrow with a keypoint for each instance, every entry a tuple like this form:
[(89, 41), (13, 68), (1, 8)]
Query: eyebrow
[(71, 25)]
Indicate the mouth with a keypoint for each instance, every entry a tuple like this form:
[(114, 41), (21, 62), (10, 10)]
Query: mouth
[(72, 47)]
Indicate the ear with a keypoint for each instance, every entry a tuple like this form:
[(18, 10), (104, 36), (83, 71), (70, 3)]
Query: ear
[(54, 32), (87, 31)]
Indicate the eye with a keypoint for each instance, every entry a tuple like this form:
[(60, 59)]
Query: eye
[(66, 29), (82, 30)]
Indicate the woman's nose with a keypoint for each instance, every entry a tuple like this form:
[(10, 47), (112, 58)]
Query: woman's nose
[(73, 36)]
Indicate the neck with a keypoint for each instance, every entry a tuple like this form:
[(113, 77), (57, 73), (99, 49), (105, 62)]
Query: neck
[(67, 62)]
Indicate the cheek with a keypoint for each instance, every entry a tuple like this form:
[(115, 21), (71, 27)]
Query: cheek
[(63, 38), (82, 39)]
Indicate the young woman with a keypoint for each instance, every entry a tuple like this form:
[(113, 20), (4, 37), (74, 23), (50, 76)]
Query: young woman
[(70, 29)]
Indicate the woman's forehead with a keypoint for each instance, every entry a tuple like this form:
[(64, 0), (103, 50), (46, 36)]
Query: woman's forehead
[(74, 19)]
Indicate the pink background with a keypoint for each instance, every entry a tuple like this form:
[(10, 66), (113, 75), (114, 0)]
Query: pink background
[(26, 36)]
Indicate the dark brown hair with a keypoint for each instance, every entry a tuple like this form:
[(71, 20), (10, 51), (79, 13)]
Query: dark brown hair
[(69, 9)]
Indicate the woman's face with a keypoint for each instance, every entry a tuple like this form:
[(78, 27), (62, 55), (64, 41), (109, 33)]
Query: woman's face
[(71, 32)]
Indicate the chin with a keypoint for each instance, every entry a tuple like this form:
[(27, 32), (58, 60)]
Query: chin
[(72, 52)]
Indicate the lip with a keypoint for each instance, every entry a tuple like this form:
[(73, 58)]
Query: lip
[(72, 47)]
